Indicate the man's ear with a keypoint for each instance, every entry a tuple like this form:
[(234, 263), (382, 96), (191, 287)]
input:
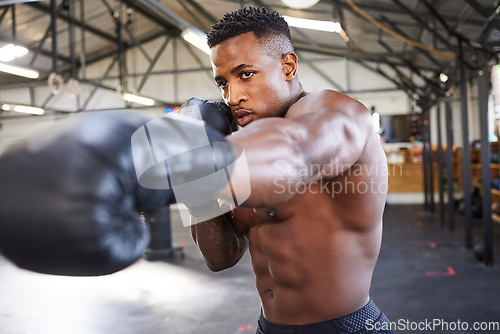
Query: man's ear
[(289, 65)]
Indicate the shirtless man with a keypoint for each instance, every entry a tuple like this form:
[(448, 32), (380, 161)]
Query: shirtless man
[(313, 221)]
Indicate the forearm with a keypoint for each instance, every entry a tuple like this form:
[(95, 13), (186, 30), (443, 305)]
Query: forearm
[(218, 243)]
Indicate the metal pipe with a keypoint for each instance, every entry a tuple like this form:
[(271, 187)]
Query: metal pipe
[(14, 24), (425, 161), (109, 54), (47, 100), (53, 27), (4, 12), (153, 63), (423, 23), (210, 18), (466, 163), (94, 90), (483, 92), (440, 163), (135, 44), (207, 70), (40, 45), (119, 42), (347, 75), (322, 74), (430, 159), (71, 37), (483, 11), (63, 17), (449, 166), (158, 12), (394, 27), (83, 28), (176, 67), (194, 15)]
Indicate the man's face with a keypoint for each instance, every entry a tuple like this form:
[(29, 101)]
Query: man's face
[(252, 82)]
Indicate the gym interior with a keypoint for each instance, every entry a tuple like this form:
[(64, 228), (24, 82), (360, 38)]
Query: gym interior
[(428, 72)]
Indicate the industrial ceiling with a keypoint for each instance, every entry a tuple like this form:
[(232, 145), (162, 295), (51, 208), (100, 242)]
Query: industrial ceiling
[(408, 42)]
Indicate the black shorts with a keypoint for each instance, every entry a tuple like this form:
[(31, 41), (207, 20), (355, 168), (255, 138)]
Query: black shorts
[(367, 320)]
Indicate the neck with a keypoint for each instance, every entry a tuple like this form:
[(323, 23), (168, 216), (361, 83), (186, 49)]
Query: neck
[(297, 93)]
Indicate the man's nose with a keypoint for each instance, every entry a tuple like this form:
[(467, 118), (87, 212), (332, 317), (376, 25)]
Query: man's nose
[(235, 95)]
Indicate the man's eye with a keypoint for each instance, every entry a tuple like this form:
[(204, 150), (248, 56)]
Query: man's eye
[(222, 84), (246, 75)]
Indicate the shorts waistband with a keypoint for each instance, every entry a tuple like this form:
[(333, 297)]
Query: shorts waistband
[(352, 323)]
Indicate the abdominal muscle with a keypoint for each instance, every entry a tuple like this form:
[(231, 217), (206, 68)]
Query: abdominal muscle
[(310, 265)]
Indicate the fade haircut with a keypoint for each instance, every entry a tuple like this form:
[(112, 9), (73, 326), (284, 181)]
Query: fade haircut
[(269, 27)]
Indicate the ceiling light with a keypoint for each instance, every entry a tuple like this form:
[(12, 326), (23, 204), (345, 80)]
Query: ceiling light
[(29, 110), (196, 38), (19, 70), (138, 99), (300, 4), (11, 51), (329, 26), (5, 107)]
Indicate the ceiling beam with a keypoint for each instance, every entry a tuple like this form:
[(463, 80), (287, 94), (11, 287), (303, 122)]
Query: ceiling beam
[(4, 12), (484, 11), (202, 11), (102, 34), (385, 9), (423, 24), (159, 14), (126, 48)]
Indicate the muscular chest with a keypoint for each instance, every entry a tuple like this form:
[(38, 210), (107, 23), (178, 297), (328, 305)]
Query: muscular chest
[(254, 218), (307, 204)]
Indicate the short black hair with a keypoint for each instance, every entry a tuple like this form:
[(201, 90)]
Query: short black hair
[(261, 21)]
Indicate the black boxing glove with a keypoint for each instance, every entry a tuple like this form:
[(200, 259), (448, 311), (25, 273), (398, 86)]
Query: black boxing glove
[(71, 198), (217, 116), (215, 113), (206, 150)]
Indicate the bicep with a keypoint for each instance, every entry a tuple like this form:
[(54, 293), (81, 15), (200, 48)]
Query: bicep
[(284, 153), (220, 240)]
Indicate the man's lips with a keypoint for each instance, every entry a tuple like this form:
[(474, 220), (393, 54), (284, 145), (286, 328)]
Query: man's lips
[(244, 120), (243, 117)]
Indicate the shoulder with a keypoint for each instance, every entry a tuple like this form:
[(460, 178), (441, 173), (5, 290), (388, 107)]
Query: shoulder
[(327, 101), (328, 113)]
